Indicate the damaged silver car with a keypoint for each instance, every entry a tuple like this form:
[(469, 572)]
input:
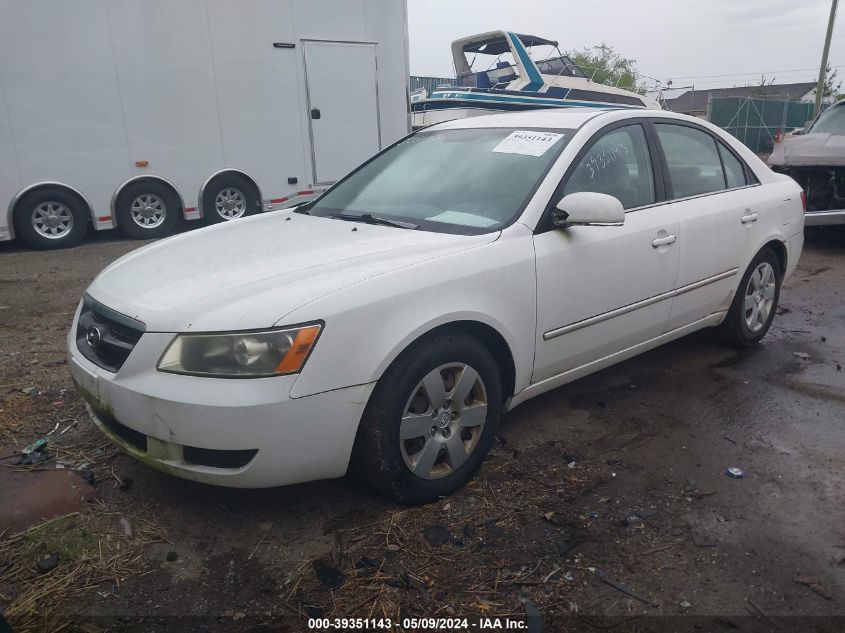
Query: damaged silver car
[(816, 160)]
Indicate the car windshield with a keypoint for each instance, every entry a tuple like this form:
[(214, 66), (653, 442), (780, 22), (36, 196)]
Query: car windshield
[(454, 181), (831, 121)]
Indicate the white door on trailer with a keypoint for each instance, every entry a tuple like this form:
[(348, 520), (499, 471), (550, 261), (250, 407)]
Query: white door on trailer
[(343, 106)]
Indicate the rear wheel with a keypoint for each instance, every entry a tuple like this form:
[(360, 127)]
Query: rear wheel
[(431, 419), (147, 210), (51, 218), (229, 197), (753, 308)]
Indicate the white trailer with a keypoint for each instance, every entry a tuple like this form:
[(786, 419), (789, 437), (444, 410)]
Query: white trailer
[(136, 114)]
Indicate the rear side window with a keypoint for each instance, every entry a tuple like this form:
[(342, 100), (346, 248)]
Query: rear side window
[(617, 164), (693, 160), (734, 172)]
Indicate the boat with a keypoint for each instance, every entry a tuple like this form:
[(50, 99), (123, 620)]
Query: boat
[(510, 79)]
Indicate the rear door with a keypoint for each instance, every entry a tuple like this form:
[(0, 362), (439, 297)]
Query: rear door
[(342, 106), (707, 185)]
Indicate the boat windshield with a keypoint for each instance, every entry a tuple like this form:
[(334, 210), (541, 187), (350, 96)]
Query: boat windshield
[(451, 181), (493, 64), (561, 66)]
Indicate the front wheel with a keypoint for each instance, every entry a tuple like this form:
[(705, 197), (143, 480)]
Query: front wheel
[(431, 419), (753, 308)]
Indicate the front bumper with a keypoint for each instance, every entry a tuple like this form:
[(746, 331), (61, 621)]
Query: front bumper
[(253, 432), (824, 218)]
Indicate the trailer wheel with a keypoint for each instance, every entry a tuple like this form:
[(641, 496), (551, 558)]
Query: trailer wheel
[(229, 197), (147, 210), (51, 218)]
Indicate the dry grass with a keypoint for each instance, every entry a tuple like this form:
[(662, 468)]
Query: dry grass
[(496, 526), (94, 552)]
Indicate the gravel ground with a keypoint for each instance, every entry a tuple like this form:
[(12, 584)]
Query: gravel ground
[(549, 523)]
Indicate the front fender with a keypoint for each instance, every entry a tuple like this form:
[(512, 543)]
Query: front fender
[(370, 323)]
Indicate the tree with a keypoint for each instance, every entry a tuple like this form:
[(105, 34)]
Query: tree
[(762, 88), (830, 90), (605, 66)]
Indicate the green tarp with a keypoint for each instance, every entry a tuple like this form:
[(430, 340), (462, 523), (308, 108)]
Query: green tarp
[(755, 122)]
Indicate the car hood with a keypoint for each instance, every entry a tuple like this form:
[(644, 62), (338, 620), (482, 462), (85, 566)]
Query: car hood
[(811, 149), (252, 272)]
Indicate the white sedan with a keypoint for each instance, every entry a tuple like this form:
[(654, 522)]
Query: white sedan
[(386, 326)]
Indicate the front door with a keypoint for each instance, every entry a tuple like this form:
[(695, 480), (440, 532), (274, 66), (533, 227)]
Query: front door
[(342, 106), (603, 289)]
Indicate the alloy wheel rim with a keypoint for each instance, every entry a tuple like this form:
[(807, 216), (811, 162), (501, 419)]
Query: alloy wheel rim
[(443, 420), (52, 220), (759, 297), (230, 203), (148, 211)]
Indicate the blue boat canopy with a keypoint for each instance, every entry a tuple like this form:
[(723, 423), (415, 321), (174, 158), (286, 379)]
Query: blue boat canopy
[(498, 45)]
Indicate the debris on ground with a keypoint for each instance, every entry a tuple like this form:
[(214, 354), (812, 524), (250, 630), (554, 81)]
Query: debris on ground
[(36, 447), (330, 577), (620, 587), (533, 618), (47, 563), (29, 497), (801, 355), (436, 535), (126, 526), (735, 472), (814, 584)]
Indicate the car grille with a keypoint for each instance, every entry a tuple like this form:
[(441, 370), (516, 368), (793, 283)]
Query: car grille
[(106, 337)]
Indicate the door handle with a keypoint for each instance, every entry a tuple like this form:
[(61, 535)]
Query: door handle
[(315, 113), (662, 241), (750, 216)]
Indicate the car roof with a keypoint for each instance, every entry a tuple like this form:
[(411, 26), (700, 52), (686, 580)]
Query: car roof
[(560, 118)]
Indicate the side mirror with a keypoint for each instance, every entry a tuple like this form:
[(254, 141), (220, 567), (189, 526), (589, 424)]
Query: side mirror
[(589, 208)]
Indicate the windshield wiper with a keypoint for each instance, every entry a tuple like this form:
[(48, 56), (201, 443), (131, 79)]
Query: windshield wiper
[(369, 218)]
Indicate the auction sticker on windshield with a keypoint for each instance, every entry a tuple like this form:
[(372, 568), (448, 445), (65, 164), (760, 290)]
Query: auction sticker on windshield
[(527, 143)]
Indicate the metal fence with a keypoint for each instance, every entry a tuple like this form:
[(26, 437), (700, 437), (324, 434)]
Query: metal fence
[(755, 122), (430, 83)]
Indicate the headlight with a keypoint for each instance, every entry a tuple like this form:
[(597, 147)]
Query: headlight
[(241, 354)]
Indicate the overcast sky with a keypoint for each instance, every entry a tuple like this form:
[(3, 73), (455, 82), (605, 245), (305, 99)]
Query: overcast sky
[(678, 39)]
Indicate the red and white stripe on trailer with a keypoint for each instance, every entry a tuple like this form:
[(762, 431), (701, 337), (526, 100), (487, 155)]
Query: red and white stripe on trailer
[(274, 204), (103, 222)]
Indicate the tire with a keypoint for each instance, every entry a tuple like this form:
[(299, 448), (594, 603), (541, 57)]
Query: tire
[(454, 447), (753, 308), (51, 218), (228, 198), (147, 210)]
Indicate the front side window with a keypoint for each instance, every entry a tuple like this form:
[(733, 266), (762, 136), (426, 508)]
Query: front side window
[(693, 160), (458, 181), (618, 165)]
